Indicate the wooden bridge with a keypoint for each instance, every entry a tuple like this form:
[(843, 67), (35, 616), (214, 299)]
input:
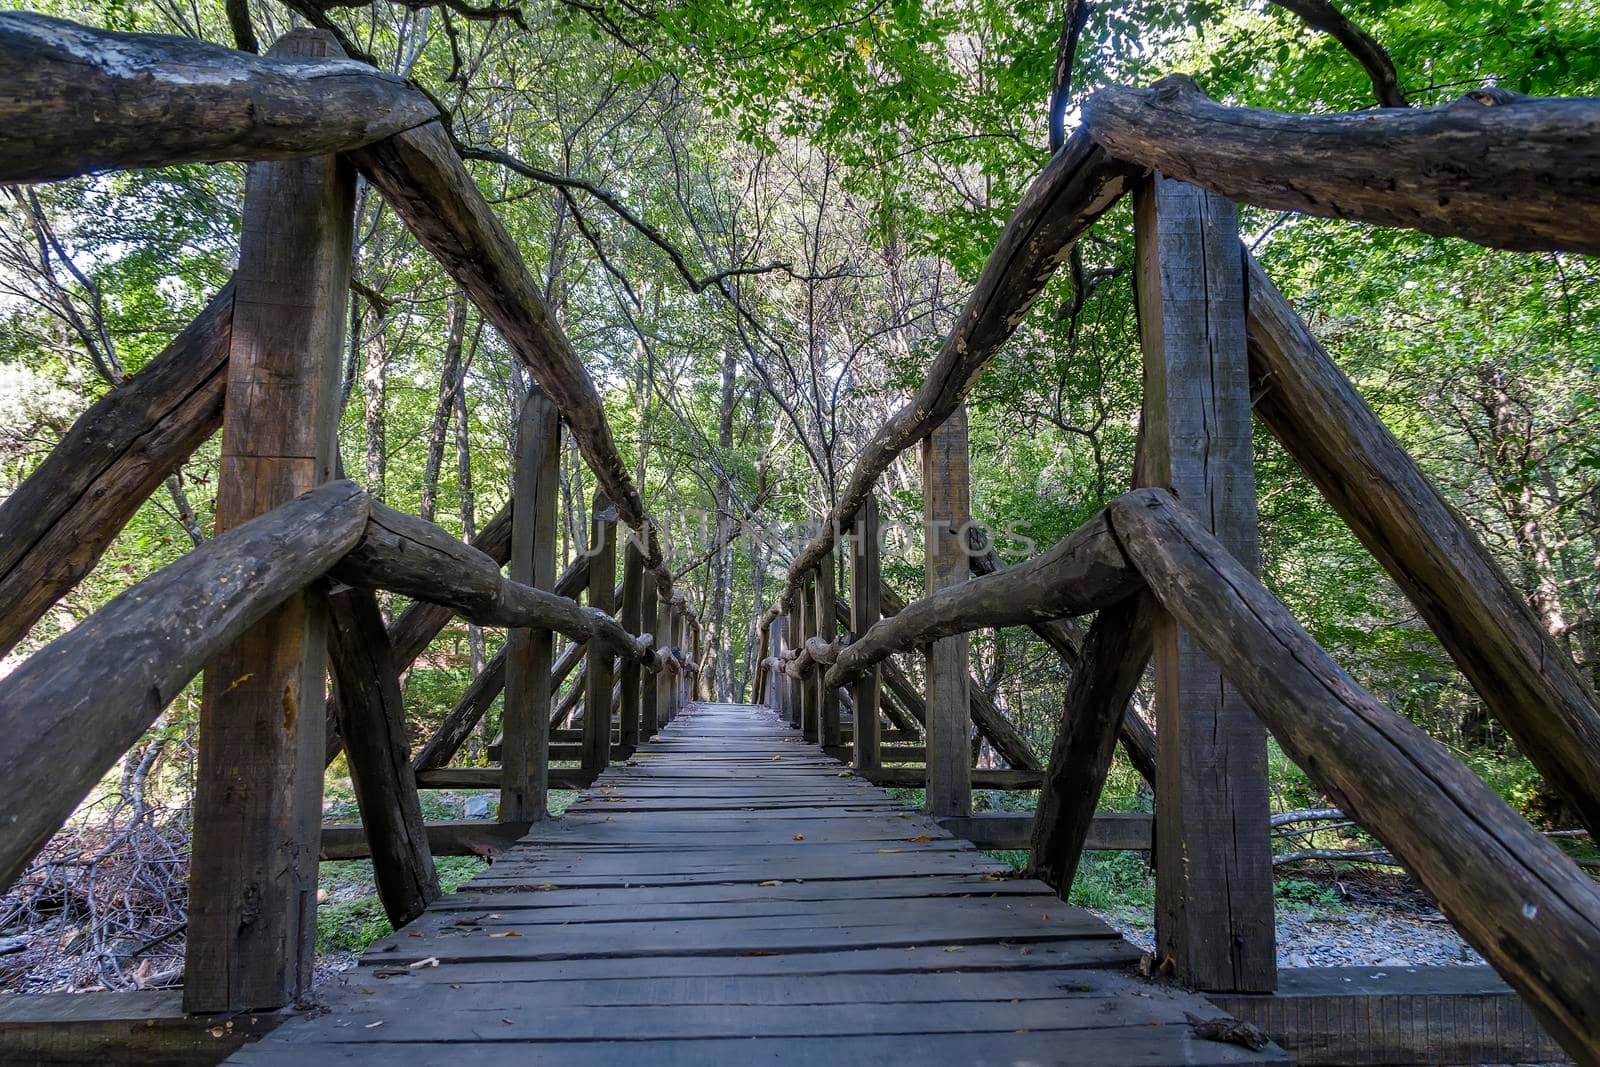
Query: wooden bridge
[(727, 897), (725, 890)]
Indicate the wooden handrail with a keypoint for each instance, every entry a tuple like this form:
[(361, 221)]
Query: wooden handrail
[(76, 99)]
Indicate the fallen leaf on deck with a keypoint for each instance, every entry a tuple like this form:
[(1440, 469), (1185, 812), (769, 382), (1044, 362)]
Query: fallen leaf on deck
[(921, 839), (431, 961), (507, 933), (799, 837), (775, 881)]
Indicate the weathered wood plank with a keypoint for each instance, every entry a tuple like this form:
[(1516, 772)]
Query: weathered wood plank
[(475, 838), (77, 99), (1214, 877), (144, 1027), (1108, 831), (258, 786), (372, 721)]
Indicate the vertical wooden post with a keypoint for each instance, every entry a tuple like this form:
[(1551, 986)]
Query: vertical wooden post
[(535, 502), (659, 709), (698, 678), (680, 638), (826, 604), (1214, 874), (633, 622), (258, 792), (794, 688), (946, 504), (602, 597), (865, 605), (810, 691)]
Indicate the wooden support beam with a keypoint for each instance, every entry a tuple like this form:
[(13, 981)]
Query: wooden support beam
[(489, 778), (372, 721), (1106, 832), (1512, 894), (1115, 654), (653, 710), (458, 723), (981, 778), (258, 788), (602, 582), (827, 595), (1527, 681), (794, 637), (1394, 1015), (56, 525), (680, 627), (77, 100), (423, 179), (122, 1026), (866, 584), (73, 708), (1214, 912), (632, 621), (946, 501), (1492, 167), (810, 689), (525, 719), (459, 838)]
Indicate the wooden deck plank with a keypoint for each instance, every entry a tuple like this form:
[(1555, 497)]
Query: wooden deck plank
[(726, 896)]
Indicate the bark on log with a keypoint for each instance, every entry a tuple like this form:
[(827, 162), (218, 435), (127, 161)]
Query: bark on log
[(1115, 653), (77, 99), (57, 524), (1528, 682), (1078, 184), (1513, 895), (408, 555), (1085, 571), (423, 179), (421, 622), (71, 711), (373, 723), (1494, 168)]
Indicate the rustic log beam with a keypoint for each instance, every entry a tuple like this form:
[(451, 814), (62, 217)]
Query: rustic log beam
[(77, 99), (373, 723), (1495, 168), (1078, 184), (602, 597), (1512, 894), (631, 616), (866, 604), (423, 179), (824, 649), (1085, 571), (457, 838), (982, 778), (1108, 831), (74, 707), (1528, 682), (57, 524), (413, 556), (1115, 654), (489, 778)]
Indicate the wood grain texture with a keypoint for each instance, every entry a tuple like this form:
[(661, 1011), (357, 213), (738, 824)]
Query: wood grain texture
[(525, 718), (1527, 681), (946, 502), (147, 1027), (632, 619), (1214, 912), (420, 623), (1514, 896), (71, 710), (372, 721), (826, 595), (1494, 168), (77, 99), (258, 786), (56, 525)]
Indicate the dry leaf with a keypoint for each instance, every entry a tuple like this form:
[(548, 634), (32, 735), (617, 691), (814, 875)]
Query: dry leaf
[(775, 881), (374, 1026), (507, 933), (887, 851), (952, 948), (431, 961), (921, 839), (799, 837)]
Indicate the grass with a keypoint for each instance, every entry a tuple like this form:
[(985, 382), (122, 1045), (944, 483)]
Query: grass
[(352, 916)]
